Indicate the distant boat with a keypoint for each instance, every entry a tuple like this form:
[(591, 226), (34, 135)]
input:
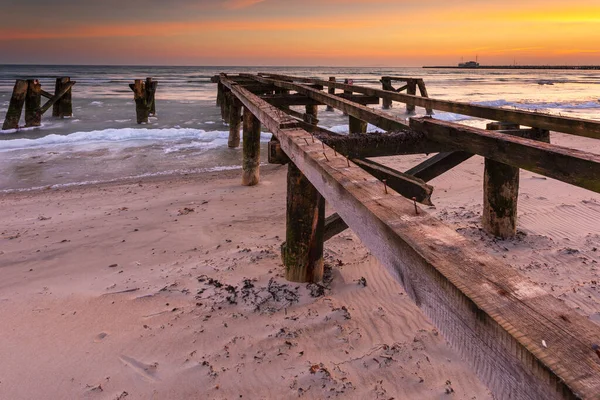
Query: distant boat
[(469, 64)]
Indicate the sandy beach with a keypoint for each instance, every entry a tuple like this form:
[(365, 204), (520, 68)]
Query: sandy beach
[(172, 287)]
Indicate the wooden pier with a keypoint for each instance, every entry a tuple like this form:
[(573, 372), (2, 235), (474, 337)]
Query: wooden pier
[(521, 341)]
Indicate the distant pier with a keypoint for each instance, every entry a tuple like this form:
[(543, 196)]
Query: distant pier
[(570, 67)]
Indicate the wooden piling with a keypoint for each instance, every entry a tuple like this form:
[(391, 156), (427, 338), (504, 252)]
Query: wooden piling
[(356, 125), (312, 113), (33, 101), (151, 95), (141, 105), (235, 110), (63, 107), (349, 92), (219, 94), (386, 84), (412, 90), (251, 150), (331, 90), (302, 252), (500, 193), (17, 100), (423, 90)]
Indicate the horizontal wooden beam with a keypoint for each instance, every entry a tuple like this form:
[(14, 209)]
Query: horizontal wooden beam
[(301, 100), (381, 144), (576, 167), (522, 342), (574, 126), (438, 164)]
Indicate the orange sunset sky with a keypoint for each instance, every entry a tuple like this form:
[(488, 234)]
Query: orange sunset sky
[(299, 32)]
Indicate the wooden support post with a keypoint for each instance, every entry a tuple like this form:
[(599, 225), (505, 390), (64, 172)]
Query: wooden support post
[(251, 156), (411, 90), (386, 84), (302, 252), (423, 91), (275, 154), (312, 113), (225, 104), (33, 101), (500, 193), (219, 94), (348, 92), (235, 110), (63, 106), (141, 106), (331, 91), (151, 95), (356, 125), (13, 115)]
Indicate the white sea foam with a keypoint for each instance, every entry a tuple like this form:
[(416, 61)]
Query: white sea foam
[(97, 103), (114, 135)]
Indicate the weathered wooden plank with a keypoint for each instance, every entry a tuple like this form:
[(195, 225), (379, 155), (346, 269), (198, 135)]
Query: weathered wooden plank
[(407, 185), (574, 126), (576, 167), (33, 99), (380, 144), (438, 164), (521, 341), (15, 107), (300, 100), (251, 156), (66, 88)]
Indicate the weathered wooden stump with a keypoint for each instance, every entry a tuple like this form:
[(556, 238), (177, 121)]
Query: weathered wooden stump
[(219, 94), (63, 107), (356, 125), (312, 114), (33, 101), (411, 88), (302, 252), (251, 150), (15, 108), (235, 111), (331, 90), (151, 95), (275, 154), (349, 92), (500, 193), (141, 104), (386, 84)]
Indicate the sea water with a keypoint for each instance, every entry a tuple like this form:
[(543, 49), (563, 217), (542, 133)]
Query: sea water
[(102, 141)]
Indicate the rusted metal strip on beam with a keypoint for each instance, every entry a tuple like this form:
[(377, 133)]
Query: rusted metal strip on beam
[(521, 341), (574, 126), (572, 166)]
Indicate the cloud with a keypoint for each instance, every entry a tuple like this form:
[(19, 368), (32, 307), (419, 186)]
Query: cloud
[(236, 4)]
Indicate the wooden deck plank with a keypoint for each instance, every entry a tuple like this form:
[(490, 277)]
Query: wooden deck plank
[(521, 341)]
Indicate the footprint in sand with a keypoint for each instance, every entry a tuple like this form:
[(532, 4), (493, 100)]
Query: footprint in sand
[(100, 337), (146, 371)]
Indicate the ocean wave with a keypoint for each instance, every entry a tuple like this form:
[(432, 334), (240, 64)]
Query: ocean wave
[(540, 105), (114, 135)]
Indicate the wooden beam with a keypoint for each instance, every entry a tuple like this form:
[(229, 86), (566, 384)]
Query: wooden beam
[(33, 99), (407, 185), (15, 107), (380, 144), (438, 164), (235, 112), (331, 90), (63, 106), (251, 156), (500, 193), (521, 341), (574, 126), (57, 96), (300, 100), (576, 167), (302, 252)]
